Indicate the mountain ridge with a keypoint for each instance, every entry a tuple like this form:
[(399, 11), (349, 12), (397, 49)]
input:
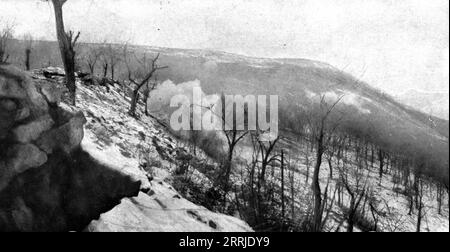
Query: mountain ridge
[(376, 114)]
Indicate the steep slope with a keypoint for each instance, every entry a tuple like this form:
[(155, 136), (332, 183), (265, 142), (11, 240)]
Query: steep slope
[(299, 83), (47, 181), (369, 114), (132, 147), (386, 195)]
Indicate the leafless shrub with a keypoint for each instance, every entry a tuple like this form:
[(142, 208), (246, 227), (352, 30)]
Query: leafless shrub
[(141, 76), (6, 34)]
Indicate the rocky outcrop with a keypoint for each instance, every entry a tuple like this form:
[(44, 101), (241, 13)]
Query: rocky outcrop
[(47, 181), (63, 170)]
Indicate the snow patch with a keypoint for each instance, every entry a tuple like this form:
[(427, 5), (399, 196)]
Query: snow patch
[(347, 98)]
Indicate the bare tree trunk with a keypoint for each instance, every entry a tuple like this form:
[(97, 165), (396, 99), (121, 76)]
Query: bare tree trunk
[(105, 70), (372, 156), (355, 201), (374, 215), (134, 99), (135, 95), (146, 97), (307, 167), (351, 215), (410, 200), (292, 182), (366, 155), (381, 159), (416, 190), (5, 37), (448, 195), (282, 188), (252, 187), (92, 69), (66, 47), (319, 137), (112, 72), (339, 192), (440, 193), (316, 184), (228, 166), (420, 205), (27, 59)]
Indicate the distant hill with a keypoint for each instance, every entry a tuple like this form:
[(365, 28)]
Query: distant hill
[(297, 82), (367, 112)]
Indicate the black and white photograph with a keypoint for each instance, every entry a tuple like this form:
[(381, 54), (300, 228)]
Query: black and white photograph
[(242, 117)]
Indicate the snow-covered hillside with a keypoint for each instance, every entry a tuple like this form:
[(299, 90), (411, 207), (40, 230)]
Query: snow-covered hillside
[(388, 197), (145, 149), (131, 146)]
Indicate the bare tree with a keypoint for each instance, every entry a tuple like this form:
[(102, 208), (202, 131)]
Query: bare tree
[(356, 190), (266, 150), (252, 175), (103, 57), (114, 58), (67, 42), (268, 156), (291, 177), (419, 187), (283, 209), (307, 164), (447, 190), (381, 157), (5, 38), (410, 193), (373, 207), (28, 39), (148, 89), (111, 55), (233, 136), (92, 58), (322, 131), (141, 77)]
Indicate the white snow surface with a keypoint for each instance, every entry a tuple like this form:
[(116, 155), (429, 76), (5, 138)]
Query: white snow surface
[(116, 139)]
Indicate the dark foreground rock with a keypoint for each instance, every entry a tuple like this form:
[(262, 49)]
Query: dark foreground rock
[(47, 181)]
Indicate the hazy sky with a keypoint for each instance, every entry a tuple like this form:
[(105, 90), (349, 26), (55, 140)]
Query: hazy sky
[(394, 45)]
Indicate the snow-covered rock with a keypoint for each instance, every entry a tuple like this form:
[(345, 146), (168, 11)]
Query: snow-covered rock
[(126, 144), (164, 210), (47, 182)]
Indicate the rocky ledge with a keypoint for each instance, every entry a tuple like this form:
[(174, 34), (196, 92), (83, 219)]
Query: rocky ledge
[(47, 181), (66, 170)]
